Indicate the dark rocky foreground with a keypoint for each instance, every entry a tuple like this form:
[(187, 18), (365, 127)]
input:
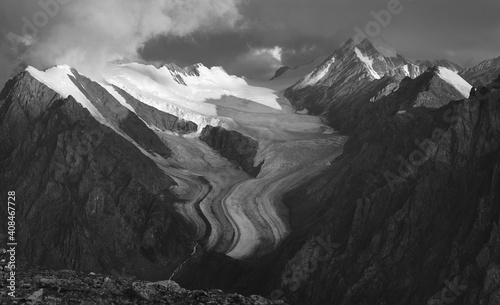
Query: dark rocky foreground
[(37, 286)]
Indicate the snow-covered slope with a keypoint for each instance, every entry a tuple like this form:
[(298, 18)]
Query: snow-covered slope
[(368, 63), (315, 76), (186, 93), (455, 80), (59, 79)]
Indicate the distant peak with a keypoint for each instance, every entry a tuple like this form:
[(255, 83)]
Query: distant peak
[(376, 44)]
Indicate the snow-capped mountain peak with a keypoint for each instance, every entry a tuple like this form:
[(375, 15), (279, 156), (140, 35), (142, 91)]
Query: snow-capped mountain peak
[(59, 78), (373, 59), (192, 94)]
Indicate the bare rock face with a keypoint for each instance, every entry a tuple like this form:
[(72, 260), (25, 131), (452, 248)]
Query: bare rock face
[(232, 145), (408, 215), (87, 199)]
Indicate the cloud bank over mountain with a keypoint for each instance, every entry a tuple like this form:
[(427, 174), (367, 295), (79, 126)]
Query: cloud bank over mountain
[(238, 35)]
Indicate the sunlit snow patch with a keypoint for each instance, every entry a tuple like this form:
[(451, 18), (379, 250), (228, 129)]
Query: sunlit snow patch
[(58, 79), (368, 63), (455, 80), (315, 76)]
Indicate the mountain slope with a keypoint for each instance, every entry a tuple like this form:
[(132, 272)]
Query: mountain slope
[(355, 76), (298, 71), (483, 73), (409, 214), (91, 200), (352, 76), (191, 179)]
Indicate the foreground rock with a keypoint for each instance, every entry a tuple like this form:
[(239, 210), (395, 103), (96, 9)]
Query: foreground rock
[(37, 286)]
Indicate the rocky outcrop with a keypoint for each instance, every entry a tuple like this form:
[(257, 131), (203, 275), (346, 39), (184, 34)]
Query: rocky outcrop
[(408, 215), (67, 286), (178, 73), (232, 145), (87, 198), (280, 72)]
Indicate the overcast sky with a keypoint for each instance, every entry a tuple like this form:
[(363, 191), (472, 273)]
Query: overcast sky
[(247, 37)]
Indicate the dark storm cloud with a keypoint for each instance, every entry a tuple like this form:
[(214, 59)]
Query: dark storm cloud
[(246, 37), (213, 49), (465, 31), (87, 34)]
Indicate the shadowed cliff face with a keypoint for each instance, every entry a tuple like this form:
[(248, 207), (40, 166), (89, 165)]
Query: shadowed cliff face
[(233, 146), (408, 215), (119, 116), (87, 199)]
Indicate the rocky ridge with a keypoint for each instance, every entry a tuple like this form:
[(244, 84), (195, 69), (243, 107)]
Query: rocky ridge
[(37, 286)]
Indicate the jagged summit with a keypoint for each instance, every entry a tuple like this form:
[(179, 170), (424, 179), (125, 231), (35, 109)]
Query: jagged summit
[(380, 45), (376, 61), (182, 92)]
